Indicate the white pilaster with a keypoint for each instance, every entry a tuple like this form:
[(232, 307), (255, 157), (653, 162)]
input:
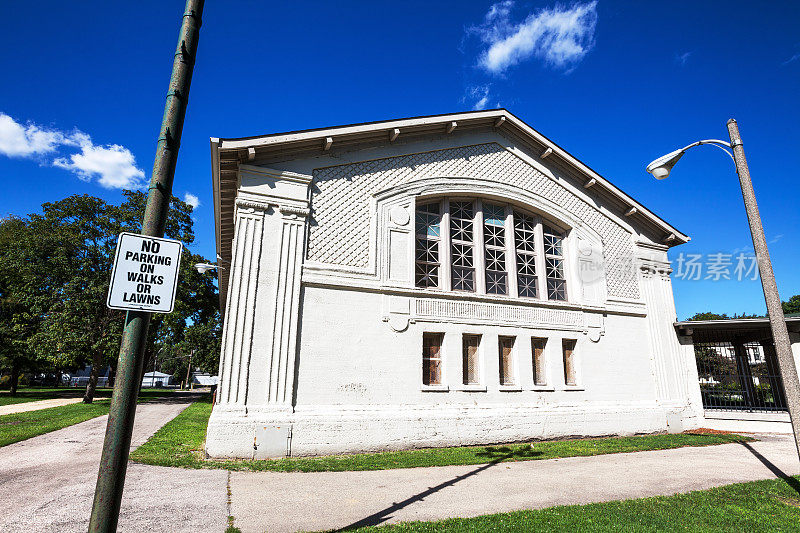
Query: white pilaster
[(242, 292), (260, 334)]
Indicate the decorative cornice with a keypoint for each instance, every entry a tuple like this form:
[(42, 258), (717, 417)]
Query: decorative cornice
[(293, 211), (245, 203), (653, 267)]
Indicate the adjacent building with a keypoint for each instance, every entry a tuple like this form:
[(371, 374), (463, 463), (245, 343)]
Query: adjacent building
[(433, 281)]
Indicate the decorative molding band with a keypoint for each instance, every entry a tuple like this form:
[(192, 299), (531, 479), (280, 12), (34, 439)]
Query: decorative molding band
[(294, 211), (498, 313), (651, 268), (244, 203)]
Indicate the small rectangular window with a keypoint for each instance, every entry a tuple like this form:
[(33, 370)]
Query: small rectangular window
[(537, 350), (505, 348), (470, 345), (568, 347), (432, 358)]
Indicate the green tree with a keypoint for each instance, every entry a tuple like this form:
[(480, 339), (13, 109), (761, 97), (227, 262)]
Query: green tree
[(194, 325), (66, 264), (709, 316), (17, 320), (792, 306)]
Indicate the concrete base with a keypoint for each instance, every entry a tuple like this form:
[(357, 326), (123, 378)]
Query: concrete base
[(310, 431)]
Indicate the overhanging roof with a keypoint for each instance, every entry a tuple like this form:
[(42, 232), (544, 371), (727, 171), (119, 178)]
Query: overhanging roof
[(741, 325), (226, 154)]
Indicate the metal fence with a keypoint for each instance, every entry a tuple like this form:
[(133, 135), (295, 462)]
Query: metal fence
[(738, 372)]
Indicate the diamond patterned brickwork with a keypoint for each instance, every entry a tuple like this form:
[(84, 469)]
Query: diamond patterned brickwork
[(341, 198)]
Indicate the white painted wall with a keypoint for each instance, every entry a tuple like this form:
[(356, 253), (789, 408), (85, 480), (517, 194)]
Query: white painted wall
[(333, 364)]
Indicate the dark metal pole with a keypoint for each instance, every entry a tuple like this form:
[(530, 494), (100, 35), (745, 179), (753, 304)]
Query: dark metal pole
[(777, 321), (116, 447)]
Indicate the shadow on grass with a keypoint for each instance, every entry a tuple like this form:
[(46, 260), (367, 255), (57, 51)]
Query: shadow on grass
[(506, 452), (790, 480)]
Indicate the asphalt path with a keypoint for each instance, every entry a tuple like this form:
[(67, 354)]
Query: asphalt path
[(35, 406), (47, 482)]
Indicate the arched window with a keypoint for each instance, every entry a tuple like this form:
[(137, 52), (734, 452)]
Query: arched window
[(487, 247)]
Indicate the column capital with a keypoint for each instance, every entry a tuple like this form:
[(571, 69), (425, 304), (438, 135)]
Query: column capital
[(294, 212), (249, 203)]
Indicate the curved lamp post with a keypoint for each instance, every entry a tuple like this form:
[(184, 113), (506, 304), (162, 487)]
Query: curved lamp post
[(660, 169)]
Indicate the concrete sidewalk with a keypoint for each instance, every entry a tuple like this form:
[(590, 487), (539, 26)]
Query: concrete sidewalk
[(275, 502), (47, 482), (35, 406)]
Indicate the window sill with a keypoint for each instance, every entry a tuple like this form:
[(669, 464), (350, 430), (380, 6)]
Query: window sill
[(472, 388), (510, 388), (434, 388), (543, 388), (574, 387)]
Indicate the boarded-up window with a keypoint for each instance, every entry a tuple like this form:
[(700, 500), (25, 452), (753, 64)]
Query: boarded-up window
[(568, 347), (537, 351), (470, 344), (432, 358), (505, 347)]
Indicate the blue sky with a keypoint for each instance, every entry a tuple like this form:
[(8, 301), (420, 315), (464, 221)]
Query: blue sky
[(615, 83)]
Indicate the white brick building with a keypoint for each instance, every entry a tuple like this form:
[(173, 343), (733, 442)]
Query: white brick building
[(455, 279)]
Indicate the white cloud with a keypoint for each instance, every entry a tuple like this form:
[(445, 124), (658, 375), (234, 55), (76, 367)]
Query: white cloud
[(681, 59), (560, 36), (793, 58), (17, 140), (480, 95), (192, 200), (113, 166)]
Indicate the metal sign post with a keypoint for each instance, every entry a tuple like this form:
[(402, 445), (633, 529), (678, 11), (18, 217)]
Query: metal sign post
[(116, 447)]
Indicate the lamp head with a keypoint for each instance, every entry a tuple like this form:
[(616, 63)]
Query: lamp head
[(661, 167), (202, 268)]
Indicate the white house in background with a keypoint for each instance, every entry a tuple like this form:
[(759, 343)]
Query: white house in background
[(157, 379), (433, 281), (80, 378), (204, 379)]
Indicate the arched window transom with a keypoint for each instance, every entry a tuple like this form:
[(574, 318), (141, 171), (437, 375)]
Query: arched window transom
[(485, 247)]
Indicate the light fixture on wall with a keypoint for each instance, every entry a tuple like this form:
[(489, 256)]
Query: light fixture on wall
[(202, 268), (206, 267)]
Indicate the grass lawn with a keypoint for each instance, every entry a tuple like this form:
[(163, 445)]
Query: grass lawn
[(34, 394), (21, 426), (770, 505), (180, 443)]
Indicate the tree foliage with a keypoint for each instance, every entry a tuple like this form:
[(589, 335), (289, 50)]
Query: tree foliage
[(792, 306), (55, 269), (716, 316)]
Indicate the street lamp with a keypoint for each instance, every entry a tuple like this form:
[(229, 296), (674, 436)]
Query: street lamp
[(660, 169), (202, 268)]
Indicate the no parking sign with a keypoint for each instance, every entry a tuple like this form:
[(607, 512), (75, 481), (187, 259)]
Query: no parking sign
[(145, 275)]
